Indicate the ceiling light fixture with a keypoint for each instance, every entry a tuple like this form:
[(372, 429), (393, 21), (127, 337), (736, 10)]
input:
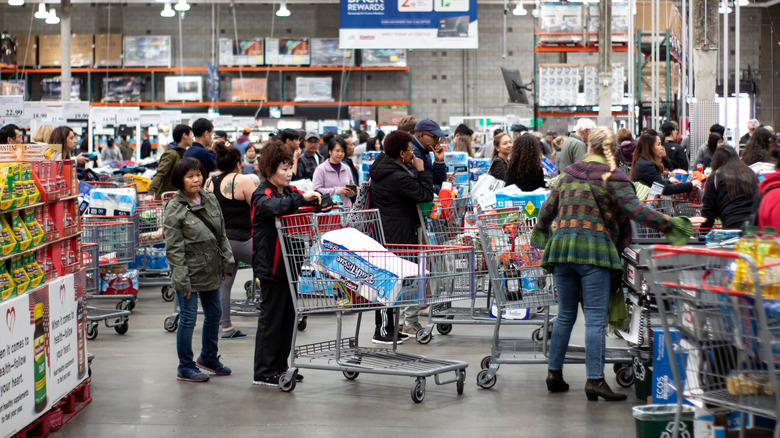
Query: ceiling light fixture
[(728, 11), (283, 11), (52, 18), (519, 10), (42, 13), (15, 2), (182, 6), (743, 2), (167, 11)]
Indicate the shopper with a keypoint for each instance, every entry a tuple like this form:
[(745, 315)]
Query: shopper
[(348, 154), (146, 145), (525, 164), (461, 131), (752, 124), (311, 157), (547, 144), (111, 152), (250, 160), (11, 134), (502, 146), (713, 143), (574, 148), (162, 181), (234, 195), (333, 177), (42, 134), (243, 141), (646, 167), (769, 210), (65, 136), (326, 138), (463, 144), (276, 323), (731, 191), (202, 129), (674, 151), (627, 146), (595, 204), (717, 129), (427, 136), (362, 146), (395, 192), (125, 148), (758, 148), (220, 136), (292, 141), (198, 252)]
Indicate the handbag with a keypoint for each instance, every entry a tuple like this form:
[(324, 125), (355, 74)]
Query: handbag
[(486, 184)]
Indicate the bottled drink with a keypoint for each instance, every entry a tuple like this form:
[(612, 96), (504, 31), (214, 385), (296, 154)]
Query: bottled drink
[(743, 280), (768, 252), (39, 362)]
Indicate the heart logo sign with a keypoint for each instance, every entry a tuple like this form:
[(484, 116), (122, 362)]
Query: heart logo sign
[(62, 294), (10, 318)]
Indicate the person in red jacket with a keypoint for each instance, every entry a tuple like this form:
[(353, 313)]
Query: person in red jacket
[(769, 211)]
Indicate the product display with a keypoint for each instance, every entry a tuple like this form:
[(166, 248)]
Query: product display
[(183, 88), (561, 18), (52, 89), (122, 89), (558, 84), (147, 51), (383, 58), (12, 87), (591, 84), (248, 89), (108, 50), (325, 51), (287, 51), (314, 89), (241, 52)]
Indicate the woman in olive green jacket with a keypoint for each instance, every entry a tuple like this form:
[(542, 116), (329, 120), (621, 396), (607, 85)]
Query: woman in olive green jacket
[(199, 255)]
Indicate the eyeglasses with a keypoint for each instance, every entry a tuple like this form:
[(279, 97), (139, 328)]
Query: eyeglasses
[(439, 139), (312, 140)]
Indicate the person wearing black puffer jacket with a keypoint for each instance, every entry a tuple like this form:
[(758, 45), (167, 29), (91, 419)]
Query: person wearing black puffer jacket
[(395, 192), (731, 192), (646, 167)]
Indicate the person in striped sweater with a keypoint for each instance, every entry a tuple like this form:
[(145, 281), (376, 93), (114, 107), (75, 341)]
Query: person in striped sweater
[(591, 205)]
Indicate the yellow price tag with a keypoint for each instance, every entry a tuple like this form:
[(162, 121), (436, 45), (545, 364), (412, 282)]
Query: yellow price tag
[(297, 59), (393, 58)]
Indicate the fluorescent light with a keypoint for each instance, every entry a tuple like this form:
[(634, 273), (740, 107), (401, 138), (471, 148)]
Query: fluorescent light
[(740, 2), (15, 2), (519, 10), (167, 12), (728, 11), (42, 13), (182, 6), (283, 11), (52, 18)]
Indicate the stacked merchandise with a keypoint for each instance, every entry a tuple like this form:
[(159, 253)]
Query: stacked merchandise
[(560, 24), (558, 84), (620, 22), (365, 167), (591, 84)]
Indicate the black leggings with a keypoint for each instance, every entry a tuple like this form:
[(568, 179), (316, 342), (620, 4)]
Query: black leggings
[(275, 328)]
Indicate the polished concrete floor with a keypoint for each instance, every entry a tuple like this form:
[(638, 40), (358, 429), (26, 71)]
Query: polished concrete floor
[(135, 391)]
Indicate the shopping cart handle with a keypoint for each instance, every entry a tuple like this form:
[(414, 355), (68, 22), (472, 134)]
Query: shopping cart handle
[(669, 250)]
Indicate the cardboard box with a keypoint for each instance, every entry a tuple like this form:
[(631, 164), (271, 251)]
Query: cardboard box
[(674, 76), (391, 116), (108, 50), (668, 18), (248, 89), (50, 50), (26, 51), (12, 87)]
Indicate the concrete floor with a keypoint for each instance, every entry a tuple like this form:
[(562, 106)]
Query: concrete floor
[(135, 391)]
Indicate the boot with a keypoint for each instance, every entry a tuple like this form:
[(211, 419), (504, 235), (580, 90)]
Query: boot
[(555, 381), (596, 388)]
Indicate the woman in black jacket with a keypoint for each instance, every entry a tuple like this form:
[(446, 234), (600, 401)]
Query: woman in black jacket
[(646, 167), (502, 146), (525, 164), (395, 193), (731, 192), (276, 323)]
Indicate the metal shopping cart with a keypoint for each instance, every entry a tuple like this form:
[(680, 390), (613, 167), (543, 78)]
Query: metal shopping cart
[(720, 327), (325, 278), (150, 254), (524, 290)]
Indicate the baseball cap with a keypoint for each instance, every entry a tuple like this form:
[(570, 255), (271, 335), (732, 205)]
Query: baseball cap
[(431, 126), (247, 130), (310, 134)]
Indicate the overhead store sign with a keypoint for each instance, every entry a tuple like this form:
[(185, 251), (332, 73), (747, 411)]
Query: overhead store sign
[(408, 24)]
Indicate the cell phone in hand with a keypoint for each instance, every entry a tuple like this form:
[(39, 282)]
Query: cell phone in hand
[(352, 187)]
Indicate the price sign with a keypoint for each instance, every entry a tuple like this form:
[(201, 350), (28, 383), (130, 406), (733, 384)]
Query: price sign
[(170, 118), (11, 106), (37, 111), (128, 116), (103, 116), (224, 121), (76, 110)]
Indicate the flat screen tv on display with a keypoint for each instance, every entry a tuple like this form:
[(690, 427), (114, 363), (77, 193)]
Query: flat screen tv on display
[(287, 51), (514, 85)]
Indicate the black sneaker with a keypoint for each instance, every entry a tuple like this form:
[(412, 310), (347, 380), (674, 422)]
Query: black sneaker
[(402, 337), (385, 340), (213, 365), (267, 381)]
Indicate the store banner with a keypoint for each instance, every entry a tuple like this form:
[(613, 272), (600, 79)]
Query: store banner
[(43, 352), (408, 24)]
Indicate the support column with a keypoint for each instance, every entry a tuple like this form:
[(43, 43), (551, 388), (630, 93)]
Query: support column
[(705, 49), (65, 40), (605, 63)]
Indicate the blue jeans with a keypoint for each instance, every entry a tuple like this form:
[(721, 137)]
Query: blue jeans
[(188, 316), (592, 283)]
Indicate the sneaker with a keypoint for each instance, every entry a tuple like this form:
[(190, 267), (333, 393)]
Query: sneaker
[(402, 337), (213, 365), (191, 374), (267, 381), (411, 329), (233, 334), (385, 340)]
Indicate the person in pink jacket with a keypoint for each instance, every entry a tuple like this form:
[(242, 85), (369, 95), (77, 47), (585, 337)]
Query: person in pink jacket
[(334, 177)]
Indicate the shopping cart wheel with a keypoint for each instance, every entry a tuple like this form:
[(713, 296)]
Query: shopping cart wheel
[(287, 384), (92, 331), (171, 323), (168, 293), (485, 382), (625, 375), (461, 381), (125, 305), (423, 338), (122, 329), (351, 375), (485, 363), (248, 288), (418, 390), (444, 329), (302, 323), (537, 335)]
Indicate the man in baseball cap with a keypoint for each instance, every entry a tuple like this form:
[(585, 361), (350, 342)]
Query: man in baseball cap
[(311, 157), (429, 135), (243, 141)]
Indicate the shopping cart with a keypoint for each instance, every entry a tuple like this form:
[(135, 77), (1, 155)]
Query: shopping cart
[(324, 278), (150, 254), (727, 329), (523, 289)]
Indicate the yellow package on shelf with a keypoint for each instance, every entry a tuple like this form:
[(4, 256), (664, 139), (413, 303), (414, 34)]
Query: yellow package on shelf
[(7, 286), (19, 275), (20, 232), (35, 229), (34, 271), (7, 240), (33, 195), (20, 189), (6, 187)]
